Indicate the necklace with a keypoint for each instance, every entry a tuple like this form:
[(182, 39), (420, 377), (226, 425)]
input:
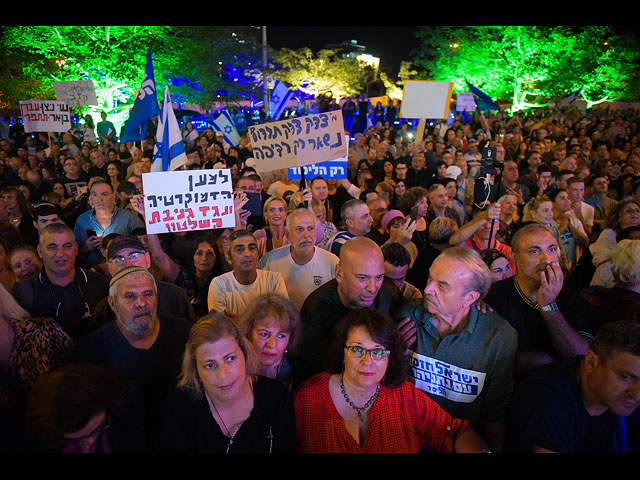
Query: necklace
[(360, 410), (226, 431)]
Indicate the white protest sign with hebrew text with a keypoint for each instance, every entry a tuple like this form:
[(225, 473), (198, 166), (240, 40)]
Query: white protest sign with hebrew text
[(76, 93), (465, 102), (296, 142), (45, 116), (426, 99), (185, 200)]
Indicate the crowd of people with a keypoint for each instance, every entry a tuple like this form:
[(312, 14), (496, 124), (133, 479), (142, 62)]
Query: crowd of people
[(475, 289)]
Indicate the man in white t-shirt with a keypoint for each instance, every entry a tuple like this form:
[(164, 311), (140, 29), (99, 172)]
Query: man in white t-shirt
[(231, 292), (303, 265)]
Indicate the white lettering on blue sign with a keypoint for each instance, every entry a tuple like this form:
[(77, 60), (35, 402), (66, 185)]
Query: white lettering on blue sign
[(445, 380)]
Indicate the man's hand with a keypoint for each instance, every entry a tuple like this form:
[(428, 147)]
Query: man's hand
[(137, 203), (407, 329), (91, 243), (551, 280)]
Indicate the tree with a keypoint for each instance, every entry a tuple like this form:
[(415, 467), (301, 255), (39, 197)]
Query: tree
[(320, 73), (530, 66), (194, 61)]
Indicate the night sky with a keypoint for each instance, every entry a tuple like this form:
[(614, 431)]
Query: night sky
[(392, 44)]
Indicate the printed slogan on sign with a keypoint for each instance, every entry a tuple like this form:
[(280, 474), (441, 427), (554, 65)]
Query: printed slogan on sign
[(188, 200)]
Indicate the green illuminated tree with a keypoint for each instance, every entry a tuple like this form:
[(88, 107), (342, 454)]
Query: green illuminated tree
[(320, 73), (530, 66), (192, 60)]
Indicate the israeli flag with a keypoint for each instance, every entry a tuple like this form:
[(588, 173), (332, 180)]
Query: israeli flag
[(483, 101), (568, 100), (168, 153), (145, 107), (224, 124), (279, 99)]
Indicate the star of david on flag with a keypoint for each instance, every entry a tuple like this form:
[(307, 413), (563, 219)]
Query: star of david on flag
[(280, 96), (168, 153), (145, 107), (224, 124)]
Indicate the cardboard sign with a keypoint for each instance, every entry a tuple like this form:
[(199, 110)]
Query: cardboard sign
[(185, 200), (45, 116), (426, 99), (77, 93), (465, 102), (297, 142)]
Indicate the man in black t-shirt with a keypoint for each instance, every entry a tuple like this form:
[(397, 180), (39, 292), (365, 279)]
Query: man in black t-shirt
[(359, 283), (551, 320), (584, 404)]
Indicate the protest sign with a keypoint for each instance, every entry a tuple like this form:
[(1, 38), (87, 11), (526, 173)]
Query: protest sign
[(45, 116), (465, 102), (331, 169), (199, 200), (77, 93), (297, 142), (426, 99)]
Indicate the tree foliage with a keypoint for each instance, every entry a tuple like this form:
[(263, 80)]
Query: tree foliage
[(192, 60), (322, 72), (530, 65)]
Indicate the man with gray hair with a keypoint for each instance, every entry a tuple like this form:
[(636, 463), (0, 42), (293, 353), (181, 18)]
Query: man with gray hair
[(140, 344), (462, 357), (303, 265)]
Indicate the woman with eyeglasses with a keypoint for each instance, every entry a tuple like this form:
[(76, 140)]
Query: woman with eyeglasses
[(364, 404)]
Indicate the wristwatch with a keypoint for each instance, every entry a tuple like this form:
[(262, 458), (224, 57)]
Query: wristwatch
[(552, 307)]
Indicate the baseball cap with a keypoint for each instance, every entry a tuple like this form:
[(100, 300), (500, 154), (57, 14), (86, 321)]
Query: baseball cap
[(124, 241)]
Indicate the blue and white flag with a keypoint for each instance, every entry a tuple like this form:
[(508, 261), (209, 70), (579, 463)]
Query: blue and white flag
[(568, 100), (225, 125), (279, 99), (168, 153), (483, 101), (145, 107)]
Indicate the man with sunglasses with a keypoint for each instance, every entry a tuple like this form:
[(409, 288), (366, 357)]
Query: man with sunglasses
[(462, 358)]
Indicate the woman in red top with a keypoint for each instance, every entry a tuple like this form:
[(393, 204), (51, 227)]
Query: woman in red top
[(364, 404)]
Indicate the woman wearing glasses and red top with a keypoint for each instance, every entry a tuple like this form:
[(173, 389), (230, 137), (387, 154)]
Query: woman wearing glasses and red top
[(364, 404)]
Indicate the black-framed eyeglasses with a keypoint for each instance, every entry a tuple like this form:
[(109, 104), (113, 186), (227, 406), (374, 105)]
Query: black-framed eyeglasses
[(374, 353)]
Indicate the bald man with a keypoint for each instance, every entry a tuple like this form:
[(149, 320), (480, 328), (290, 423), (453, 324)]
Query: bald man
[(359, 283)]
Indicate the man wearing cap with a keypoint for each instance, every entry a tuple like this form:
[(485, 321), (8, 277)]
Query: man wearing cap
[(141, 344), (61, 290), (128, 250)]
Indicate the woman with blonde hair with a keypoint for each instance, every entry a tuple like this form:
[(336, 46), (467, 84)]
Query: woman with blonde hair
[(221, 404), (273, 327)]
